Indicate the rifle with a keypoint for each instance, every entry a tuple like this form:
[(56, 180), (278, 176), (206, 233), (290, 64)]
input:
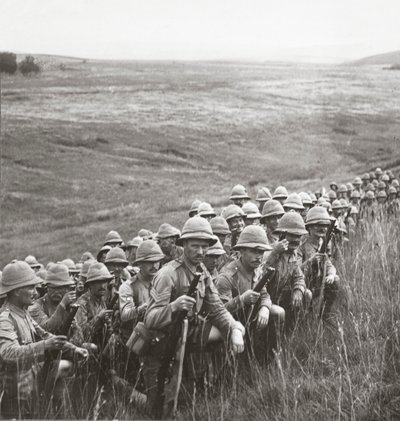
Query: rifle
[(268, 274), (165, 371), (65, 327)]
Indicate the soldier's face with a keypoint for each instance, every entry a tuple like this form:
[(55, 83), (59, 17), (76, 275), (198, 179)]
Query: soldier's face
[(251, 258), (195, 250), (236, 225), (272, 222), (318, 231), (149, 269), (26, 295), (211, 262), (167, 244), (238, 202), (294, 241), (57, 293), (252, 221), (98, 288)]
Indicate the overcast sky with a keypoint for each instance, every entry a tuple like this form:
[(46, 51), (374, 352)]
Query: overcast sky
[(201, 29)]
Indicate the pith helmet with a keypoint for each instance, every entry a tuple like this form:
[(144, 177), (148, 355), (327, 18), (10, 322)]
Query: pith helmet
[(332, 195), (70, 265), (135, 242), (365, 176), (251, 210), (355, 194), (395, 183), (271, 208), (32, 262), (148, 251), (280, 193), (239, 192), (293, 201), (344, 203), (336, 204), (113, 238), (263, 194), (195, 206), (342, 188), (353, 210), (370, 187), (378, 172), (219, 225), (385, 177), (232, 211), (372, 176), (116, 255), (58, 276), (305, 198), (333, 185), (216, 250), (41, 273), (370, 194), (292, 223), (98, 272), (317, 215), (313, 198), (145, 234), (87, 256), (254, 237), (321, 200), (392, 190), (17, 274), (381, 185), (105, 248), (350, 187), (85, 267), (327, 206), (375, 183), (357, 181), (205, 209), (197, 228), (382, 193), (167, 230)]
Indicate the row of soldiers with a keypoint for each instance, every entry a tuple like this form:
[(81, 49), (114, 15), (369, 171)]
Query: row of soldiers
[(108, 320)]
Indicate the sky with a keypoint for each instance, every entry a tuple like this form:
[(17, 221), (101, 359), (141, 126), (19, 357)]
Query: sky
[(308, 30)]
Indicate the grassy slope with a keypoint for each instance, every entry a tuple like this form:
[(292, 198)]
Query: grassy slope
[(125, 145)]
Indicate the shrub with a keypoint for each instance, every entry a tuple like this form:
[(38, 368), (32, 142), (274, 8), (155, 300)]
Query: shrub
[(28, 66), (8, 63)]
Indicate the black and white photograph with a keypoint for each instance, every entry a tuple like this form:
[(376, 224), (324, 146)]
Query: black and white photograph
[(200, 210)]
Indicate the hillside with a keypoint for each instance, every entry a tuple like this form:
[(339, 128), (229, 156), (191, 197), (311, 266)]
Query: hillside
[(381, 59), (125, 145)]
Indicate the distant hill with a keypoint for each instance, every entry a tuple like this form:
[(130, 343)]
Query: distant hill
[(381, 59)]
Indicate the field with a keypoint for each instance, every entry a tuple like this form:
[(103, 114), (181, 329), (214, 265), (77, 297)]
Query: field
[(94, 146), (125, 145)]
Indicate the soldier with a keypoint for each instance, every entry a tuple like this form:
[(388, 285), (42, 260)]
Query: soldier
[(386, 180), (237, 279), (378, 174), (145, 234), (355, 199), (116, 263), (263, 195), (381, 205), (33, 263), (369, 209), (234, 216), (333, 186), (280, 194), (206, 211), (167, 298), (331, 196), (342, 192), (381, 186), (252, 214), (271, 214), (131, 249), (194, 208), (239, 195), (319, 272), (80, 284), (86, 256), (72, 269), (393, 208), (113, 239), (24, 345), (288, 286), (220, 229), (166, 237), (357, 184), (350, 188), (101, 255), (51, 310), (293, 202), (212, 259), (365, 181)]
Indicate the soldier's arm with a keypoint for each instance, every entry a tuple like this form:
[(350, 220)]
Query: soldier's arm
[(127, 306), (52, 323), (224, 289), (12, 352), (88, 327), (220, 317), (159, 312), (265, 299)]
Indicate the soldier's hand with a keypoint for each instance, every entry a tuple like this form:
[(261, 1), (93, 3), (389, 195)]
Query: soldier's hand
[(237, 341), (250, 297), (330, 279), (297, 298), (141, 309), (104, 314), (183, 302), (55, 343), (280, 247), (81, 353), (262, 318), (68, 299)]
